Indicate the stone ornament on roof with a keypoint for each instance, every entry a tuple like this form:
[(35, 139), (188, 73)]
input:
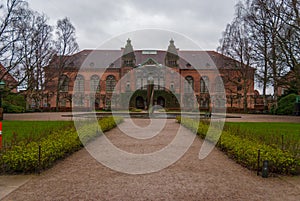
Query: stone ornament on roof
[(172, 48), (128, 48)]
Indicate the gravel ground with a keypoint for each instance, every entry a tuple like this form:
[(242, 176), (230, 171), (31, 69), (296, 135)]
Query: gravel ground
[(50, 116), (38, 116), (81, 177)]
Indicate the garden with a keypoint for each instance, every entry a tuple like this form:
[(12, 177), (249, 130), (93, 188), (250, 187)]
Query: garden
[(279, 143), (30, 147)]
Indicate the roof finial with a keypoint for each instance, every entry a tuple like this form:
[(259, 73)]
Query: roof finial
[(172, 48), (128, 47)]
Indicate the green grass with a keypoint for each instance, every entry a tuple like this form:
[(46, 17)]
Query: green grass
[(16, 131), (269, 128), (285, 136)]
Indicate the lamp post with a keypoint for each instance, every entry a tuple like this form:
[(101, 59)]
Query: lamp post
[(2, 85), (150, 94)]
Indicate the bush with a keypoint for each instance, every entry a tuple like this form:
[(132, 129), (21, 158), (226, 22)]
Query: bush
[(13, 103), (25, 157), (135, 110), (286, 105), (9, 108), (244, 151), (90, 131)]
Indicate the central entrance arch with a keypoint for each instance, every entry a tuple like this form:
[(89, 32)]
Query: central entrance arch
[(139, 102), (161, 101)]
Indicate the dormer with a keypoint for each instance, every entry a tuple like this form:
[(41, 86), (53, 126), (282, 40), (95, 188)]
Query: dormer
[(128, 56), (171, 59)]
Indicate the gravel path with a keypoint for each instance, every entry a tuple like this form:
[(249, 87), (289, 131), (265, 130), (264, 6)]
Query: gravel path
[(50, 116), (80, 177), (38, 116)]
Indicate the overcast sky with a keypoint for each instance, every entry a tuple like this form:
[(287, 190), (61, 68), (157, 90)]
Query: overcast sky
[(97, 21)]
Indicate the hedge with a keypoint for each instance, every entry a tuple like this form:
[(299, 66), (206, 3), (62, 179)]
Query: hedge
[(24, 158), (286, 105), (244, 151)]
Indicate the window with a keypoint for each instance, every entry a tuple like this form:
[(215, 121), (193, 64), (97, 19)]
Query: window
[(128, 86), (162, 82), (128, 62), (189, 84), (172, 63), (110, 83), (219, 84), (139, 83), (204, 103), (64, 83), (204, 84), (63, 103), (95, 83), (79, 83), (139, 79), (156, 81), (172, 87)]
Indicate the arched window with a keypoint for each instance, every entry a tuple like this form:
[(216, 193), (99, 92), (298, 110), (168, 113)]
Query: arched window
[(64, 83), (172, 88), (204, 84), (139, 79), (95, 83), (155, 76), (204, 102), (110, 83), (79, 83), (188, 84), (127, 86), (219, 84), (162, 81)]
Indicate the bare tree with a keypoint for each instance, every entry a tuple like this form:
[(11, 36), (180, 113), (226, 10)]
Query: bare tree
[(265, 19), (37, 45), (289, 44), (236, 44), (66, 45), (9, 36)]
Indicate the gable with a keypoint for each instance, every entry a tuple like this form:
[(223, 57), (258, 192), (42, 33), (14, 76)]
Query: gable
[(150, 61)]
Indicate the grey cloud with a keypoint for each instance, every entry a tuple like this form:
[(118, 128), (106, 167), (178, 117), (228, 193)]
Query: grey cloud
[(98, 20)]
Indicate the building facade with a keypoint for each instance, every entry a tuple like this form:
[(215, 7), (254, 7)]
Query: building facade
[(10, 82), (101, 79)]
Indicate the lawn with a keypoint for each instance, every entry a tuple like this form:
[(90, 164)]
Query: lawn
[(285, 136), (270, 127), (16, 131)]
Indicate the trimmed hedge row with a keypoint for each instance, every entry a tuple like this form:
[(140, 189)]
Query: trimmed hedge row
[(57, 145), (89, 131), (244, 151)]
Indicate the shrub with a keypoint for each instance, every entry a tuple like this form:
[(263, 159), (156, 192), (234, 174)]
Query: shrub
[(25, 157), (14, 103), (286, 104), (244, 151), (10, 108), (89, 131), (135, 110)]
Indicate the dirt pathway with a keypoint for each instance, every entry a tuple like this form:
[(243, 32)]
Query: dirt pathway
[(80, 177)]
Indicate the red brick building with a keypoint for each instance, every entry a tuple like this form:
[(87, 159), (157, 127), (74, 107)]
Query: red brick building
[(10, 82), (90, 76)]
